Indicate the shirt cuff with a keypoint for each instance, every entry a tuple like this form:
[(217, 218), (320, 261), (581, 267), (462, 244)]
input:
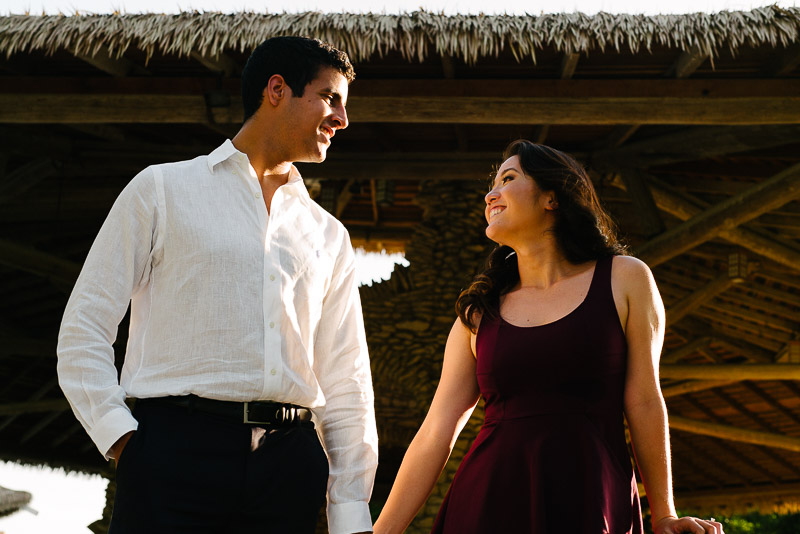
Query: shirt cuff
[(111, 427), (349, 517)]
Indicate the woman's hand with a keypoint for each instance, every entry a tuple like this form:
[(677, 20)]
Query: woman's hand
[(673, 525)]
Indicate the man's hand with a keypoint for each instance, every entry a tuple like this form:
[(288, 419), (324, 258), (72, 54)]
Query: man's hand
[(116, 449), (673, 525)]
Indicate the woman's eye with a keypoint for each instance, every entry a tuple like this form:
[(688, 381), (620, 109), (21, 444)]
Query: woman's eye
[(507, 179)]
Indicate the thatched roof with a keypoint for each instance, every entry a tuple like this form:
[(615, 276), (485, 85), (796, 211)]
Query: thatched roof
[(12, 500), (415, 35)]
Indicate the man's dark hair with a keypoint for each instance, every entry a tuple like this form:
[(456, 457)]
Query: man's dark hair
[(297, 59)]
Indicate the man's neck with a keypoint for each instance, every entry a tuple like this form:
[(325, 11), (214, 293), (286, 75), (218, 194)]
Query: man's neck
[(263, 153)]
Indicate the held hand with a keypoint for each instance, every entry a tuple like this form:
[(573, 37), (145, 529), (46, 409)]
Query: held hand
[(673, 525), (116, 449)]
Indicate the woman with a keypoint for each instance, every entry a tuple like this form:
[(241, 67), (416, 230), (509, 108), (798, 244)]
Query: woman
[(561, 335)]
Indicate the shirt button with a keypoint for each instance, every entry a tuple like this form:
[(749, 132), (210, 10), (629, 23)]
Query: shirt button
[(258, 195), (273, 372), (271, 324), (272, 277)]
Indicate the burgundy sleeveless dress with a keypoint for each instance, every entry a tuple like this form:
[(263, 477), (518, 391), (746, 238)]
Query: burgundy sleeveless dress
[(551, 456)]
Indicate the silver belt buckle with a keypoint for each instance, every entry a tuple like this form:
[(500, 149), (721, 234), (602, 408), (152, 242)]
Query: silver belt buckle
[(247, 416)]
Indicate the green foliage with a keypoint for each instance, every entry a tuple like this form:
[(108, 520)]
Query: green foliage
[(752, 523)]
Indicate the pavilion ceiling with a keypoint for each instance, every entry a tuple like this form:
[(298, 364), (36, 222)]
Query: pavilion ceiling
[(690, 126)]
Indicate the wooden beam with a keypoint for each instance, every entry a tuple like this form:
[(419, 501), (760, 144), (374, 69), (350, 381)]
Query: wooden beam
[(408, 166), (61, 272), (344, 197), (684, 206), (620, 134), (732, 433), (643, 202), (222, 63), (785, 62), (685, 306), (169, 108), (776, 371), (687, 63), (693, 386), (696, 143), (686, 350), (569, 62), (34, 406), (118, 66)]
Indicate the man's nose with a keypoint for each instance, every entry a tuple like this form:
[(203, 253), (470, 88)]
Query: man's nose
[(340, 118)]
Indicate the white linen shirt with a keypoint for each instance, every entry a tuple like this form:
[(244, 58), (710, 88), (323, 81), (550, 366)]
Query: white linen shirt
[(228, 302)]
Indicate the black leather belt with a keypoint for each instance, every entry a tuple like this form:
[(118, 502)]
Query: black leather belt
[(251, 413)]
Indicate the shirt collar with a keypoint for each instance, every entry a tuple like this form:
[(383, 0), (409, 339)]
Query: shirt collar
[(226, 150)]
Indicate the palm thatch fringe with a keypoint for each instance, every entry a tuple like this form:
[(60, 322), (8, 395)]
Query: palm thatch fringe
[(414, 35), (12, 500)]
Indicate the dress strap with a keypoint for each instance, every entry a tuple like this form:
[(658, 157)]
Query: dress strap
[(600, 288)]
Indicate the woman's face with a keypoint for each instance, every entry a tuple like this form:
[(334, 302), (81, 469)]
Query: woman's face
[(515, 207)]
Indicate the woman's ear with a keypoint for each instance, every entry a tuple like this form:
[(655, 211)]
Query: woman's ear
[(552, 202)]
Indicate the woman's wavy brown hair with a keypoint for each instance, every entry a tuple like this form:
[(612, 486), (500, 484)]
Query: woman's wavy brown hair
[(583, 229)]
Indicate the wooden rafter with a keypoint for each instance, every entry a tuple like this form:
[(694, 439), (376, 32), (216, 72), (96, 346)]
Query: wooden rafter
[(643, 202), (727, 215), (170, 109), (691, 144), (104, 60), (777, 371), (687, 63), (675, 390), (754, 437), (222, 64), (684, 206)]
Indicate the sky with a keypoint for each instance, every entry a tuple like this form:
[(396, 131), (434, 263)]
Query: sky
[(68, 503), (518, 7)]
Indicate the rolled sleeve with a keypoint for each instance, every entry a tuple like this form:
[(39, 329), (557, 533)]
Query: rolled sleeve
[(348, 427)]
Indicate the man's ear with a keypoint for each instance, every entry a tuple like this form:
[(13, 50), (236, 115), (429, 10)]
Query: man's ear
[(275, 90)]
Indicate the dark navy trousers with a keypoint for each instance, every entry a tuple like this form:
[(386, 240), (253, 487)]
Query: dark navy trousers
[(189, 472)]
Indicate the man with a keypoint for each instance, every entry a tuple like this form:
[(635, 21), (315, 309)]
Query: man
[(245, 323)]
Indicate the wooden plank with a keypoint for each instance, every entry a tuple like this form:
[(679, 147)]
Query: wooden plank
[(148, 109), (775, 371), (725, 216), (732, 433), (685, 306)]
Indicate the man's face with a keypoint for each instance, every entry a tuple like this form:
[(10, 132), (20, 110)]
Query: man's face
[(313, 118)]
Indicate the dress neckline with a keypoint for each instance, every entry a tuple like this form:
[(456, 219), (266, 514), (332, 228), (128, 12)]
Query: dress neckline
[(574, 310)]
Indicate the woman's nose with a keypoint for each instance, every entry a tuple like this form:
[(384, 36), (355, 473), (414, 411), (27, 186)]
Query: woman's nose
[(491, 196)]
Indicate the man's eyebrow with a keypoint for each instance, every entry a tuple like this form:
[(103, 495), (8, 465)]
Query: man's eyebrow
[(335, 94)]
